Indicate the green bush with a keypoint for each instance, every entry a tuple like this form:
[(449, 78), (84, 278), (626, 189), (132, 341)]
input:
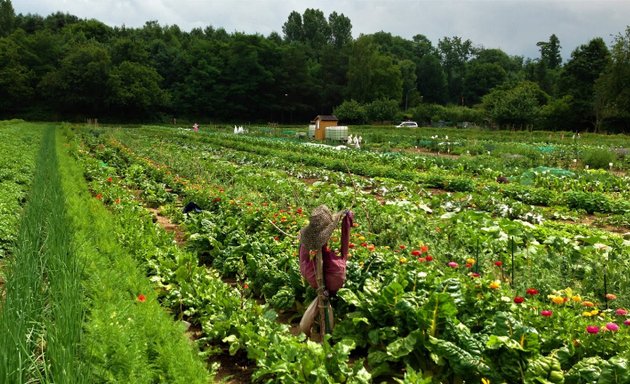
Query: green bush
[(351, 112), (598, 158), (589, 201)]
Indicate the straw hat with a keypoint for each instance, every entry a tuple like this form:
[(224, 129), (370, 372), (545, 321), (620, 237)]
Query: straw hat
[(321, 225)]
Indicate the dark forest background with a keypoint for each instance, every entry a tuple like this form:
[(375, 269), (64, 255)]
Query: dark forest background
[(60, 67)]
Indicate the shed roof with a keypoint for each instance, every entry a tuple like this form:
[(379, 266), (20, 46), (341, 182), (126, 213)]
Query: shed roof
[(326, 118)]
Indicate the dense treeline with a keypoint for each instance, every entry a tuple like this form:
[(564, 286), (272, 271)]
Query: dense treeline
[(63, 67)]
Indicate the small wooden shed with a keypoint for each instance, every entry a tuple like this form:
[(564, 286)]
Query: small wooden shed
[(321, 122)]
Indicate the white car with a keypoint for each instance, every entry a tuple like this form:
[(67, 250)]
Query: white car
[(407, 124)]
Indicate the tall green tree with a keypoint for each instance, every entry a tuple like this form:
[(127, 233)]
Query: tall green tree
[(550, 52), (613, 87), (7, 18), (15, 78), (134, 90), (372, 75), (455, 53), (340, 30), (79, 85), (577, 80)]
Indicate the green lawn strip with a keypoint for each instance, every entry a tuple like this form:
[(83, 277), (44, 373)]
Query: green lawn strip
[(40, 323), (128, 337)]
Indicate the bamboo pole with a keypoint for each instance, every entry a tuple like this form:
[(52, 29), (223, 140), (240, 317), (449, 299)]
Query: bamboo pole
[(321, 288)]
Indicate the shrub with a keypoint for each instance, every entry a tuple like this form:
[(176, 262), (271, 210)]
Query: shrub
[(598, 158), (589, 201), (351, 112), (382, 110)]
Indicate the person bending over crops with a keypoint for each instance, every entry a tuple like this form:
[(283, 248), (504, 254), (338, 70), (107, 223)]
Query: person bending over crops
[(313, 240)]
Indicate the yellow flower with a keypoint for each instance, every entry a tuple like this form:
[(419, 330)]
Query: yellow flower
[(403, 260), (594, 312), (557, 299), (495, 284), (576, 298), (485, 381), (586, 314), (470, 261)]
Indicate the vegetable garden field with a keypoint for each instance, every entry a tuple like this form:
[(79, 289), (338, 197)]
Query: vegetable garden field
[(476, 257)]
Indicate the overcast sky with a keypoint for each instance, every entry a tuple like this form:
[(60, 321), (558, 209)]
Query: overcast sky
[(515, 26)]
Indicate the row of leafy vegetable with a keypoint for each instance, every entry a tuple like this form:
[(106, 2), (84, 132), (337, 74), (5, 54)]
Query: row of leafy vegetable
[(556, 196), (15, 176), (453, 321)]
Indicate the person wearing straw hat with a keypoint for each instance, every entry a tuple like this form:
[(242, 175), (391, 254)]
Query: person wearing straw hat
[(313, 245)]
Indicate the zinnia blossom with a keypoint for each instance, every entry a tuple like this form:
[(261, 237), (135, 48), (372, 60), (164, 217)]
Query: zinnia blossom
[(142, 298), (588, 303), (416, 252), (621, 312), (429, 258), (495, 284), (611, 296), (498, 263), (470, 261), (613, 327), (109, 179), (531, 291), (627, 322), (546, 313), (453, 264), (519, 299), (557, 299), (474, 274), (424, 249), (592, 329)]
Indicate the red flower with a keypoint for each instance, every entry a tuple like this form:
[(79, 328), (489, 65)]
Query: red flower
[(402, 246), (216, 199), (531, 291), (245, 286), (416, 252), (468, 265), (299, 211), (498, 263), (351, 245), (142, 298), (364, 244), (429, 258), (519, 299), (475, 274), (109, 179), (424, 249), (99, 196), (546, 313)]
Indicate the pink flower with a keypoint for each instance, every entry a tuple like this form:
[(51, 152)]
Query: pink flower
[(592, 329), (627, 322), (546, 313), (453, 264), (621, 312), (613, 327)]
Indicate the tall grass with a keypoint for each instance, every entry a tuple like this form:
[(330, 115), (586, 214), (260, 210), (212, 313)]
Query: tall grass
[(40, 320)]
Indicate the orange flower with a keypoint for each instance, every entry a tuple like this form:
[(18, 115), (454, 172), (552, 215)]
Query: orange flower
[(371, 247), (142, 298), (611, 296), (495, 284), (588, 303)]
